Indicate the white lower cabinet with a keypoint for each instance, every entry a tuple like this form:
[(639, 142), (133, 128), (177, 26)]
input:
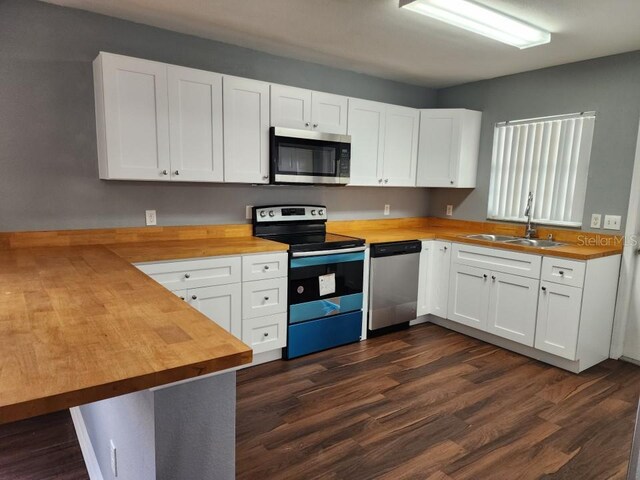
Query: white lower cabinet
[(221, 303), (558, 319), (264, 297), (512, 307), (469, 296), (265, 333), (439, 277), (424, 280)]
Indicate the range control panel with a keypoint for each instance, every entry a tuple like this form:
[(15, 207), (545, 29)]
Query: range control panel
[(289, 213)]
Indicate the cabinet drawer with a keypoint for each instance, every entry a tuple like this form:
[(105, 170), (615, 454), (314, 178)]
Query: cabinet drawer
[(262, 267), (203, 272), (265, 333), (497, 260), (264, 297), (565, 272)]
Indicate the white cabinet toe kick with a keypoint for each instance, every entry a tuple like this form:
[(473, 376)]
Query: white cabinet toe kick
[(555, 310)]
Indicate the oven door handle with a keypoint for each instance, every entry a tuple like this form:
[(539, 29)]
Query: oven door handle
[(329, 252)]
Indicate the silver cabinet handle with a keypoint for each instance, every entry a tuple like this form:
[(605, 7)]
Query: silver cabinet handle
[(445, 248), (386, 180), (265, 177), (561, 272), (165, 172), (187, 275), (181, 298), (451, 182), (194, 297), (177, 172), (315, 125), (493, 277), (379, 180), (544, 289), (266, 267), (484, 276), (266, 299), (266, 334), (306, 124)]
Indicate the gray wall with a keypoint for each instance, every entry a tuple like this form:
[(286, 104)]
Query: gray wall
[(49, 168), (608, 85)]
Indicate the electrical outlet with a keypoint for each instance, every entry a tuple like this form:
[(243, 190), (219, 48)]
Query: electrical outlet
[(387, 209), (596, 220), (249, 212), (114, 459), (150, 216), (612, 222), (449, 210)]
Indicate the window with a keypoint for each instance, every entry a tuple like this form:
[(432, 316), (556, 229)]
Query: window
[(546, 156)]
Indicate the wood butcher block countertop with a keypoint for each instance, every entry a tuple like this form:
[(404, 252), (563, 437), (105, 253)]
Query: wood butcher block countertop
[(79, 323)]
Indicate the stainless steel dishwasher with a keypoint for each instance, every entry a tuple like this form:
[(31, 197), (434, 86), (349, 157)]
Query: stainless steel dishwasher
[(393, 286)]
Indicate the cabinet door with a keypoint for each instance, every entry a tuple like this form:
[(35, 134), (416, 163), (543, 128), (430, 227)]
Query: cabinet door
[(246, 130), (424, 280), (132, 118), (195, 121), (558, 319), (221, 303), (512, 307), (438, 280), (290, 107), (329, 113), (438, 148), (366, 126), (469, 296), (400, 146)]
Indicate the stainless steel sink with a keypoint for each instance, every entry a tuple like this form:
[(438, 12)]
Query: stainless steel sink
[(534, 242), (491, 238)]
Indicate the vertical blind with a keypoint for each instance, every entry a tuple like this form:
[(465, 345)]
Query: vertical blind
[(546, 156)]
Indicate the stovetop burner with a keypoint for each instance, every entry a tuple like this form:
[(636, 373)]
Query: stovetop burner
[(303, 228)]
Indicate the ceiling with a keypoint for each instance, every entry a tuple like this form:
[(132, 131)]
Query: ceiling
[(378, 38)]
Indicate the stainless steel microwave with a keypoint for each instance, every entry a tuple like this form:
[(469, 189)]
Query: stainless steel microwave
[(302, 156)]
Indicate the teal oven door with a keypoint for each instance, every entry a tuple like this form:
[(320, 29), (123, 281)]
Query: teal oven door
[(325, 301)]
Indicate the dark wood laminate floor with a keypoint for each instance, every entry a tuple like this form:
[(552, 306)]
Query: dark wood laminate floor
[(424, 403), (427, 403)]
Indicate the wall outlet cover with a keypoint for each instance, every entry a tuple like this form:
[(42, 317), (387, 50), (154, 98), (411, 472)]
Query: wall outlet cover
[(596, 220), (150, 217), (114, 458), (249, 212), (387, 209), (449, 210), (612, 222)]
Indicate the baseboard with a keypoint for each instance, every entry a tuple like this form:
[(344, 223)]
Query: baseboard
[(629, 360), (89, 455)]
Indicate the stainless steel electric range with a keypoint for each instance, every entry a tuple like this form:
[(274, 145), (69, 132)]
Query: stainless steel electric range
[(325, 277)]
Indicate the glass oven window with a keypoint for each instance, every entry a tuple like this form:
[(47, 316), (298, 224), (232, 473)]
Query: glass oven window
[(300, 159)]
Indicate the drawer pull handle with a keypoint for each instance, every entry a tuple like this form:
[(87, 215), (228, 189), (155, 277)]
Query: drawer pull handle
[(485, 276), (544, 289), (266, 334), (187, 275), (266, 299), (194, 297), (561, 272), (266, 267), (493, 277), (181, 298)]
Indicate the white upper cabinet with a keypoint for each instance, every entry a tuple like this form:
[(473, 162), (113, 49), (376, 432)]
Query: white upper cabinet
[(303, 109), (290, 107), (400, 146), (448, 148), (157, 121), (132, 118), (366, 127), (195, 125), (329, 113), (246, 130), (384, 143)]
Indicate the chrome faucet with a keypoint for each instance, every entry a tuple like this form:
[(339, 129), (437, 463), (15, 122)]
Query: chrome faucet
[(529, 231)]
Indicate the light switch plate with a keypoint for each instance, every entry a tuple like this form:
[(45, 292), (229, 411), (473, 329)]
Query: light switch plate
[(387, 209), (612, 222), (596, 220), (449, 210), (249, 212), (150, 217)]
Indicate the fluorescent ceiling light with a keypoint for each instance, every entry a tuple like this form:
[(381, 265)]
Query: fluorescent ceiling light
[(482, 20)]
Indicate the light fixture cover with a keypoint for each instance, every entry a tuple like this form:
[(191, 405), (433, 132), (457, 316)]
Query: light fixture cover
[(482, 20)]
